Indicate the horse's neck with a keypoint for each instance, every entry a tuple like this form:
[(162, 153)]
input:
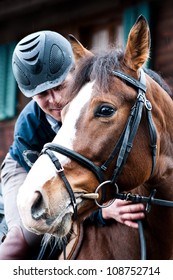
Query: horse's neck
[(162, 109), (162, 178), (159, 227), (158, 215), (159, 220), (162, 114)]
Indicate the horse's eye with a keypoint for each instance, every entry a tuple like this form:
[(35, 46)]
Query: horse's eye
[(104, 111)]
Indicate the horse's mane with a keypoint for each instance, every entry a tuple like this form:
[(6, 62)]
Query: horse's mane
[(157, 78), (97, 67)]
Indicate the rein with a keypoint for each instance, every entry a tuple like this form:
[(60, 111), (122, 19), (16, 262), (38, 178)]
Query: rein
[(149, 200), (121, 149)]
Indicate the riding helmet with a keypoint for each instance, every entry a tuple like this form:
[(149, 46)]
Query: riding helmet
[(41, 61)]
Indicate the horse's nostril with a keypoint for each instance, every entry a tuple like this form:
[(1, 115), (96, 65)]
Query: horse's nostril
[(38, 209)]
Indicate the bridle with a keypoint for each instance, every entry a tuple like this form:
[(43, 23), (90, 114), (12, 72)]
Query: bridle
[(123, 145), (121, 150)]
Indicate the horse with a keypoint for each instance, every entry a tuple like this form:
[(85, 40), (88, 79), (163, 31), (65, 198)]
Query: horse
[(116, 139)]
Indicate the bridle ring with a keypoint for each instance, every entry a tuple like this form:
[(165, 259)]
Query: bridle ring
[(97, 190)]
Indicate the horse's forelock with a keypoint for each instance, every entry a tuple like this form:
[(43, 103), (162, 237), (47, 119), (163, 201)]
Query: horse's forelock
[(102, 66), (95, 68)]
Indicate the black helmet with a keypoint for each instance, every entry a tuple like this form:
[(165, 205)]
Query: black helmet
[(41, 61)]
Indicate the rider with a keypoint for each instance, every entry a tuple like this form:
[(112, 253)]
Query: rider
[(42, 65)]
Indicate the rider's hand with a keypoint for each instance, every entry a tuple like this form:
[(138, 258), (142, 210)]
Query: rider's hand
[(124, 212)]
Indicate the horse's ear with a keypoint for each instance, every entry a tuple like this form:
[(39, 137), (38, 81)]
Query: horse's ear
[(138, 44), (78, 49)]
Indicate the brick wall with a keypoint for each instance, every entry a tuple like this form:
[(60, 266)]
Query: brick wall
[(6, 136), (163, 42)]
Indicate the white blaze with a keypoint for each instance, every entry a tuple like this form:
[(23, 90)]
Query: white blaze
[(66, 134), (43, 169)]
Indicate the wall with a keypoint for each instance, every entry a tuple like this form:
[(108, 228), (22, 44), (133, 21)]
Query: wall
[(163, 42)]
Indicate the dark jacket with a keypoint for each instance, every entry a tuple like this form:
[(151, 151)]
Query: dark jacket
[(31, 132)]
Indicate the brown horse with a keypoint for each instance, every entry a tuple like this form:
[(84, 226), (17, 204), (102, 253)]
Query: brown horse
[(117, 114)]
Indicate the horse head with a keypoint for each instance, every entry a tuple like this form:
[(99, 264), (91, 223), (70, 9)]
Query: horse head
[(85, 162)]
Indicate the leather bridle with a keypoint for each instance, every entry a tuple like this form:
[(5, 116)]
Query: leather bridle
[(123, 145), (121, 150)]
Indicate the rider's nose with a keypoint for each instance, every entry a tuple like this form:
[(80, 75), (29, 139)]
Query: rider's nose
[(54, 96)]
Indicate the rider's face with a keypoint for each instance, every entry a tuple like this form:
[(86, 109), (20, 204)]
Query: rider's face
[(52, 101)]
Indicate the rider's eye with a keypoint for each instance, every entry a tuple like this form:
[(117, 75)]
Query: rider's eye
[(104, 111)]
